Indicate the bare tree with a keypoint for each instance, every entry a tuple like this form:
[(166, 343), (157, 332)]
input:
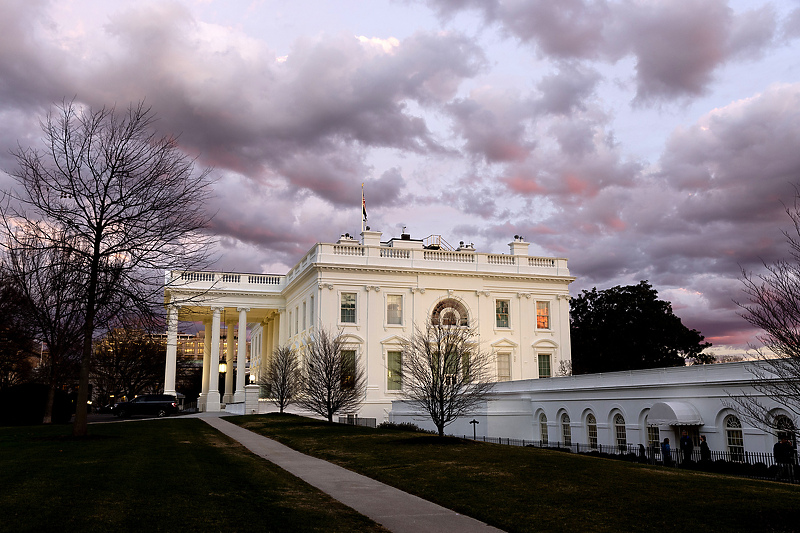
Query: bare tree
[(128, 200), (282, 377), (128, 361), (774, 306), (445, 373), (333, 381), (17, 342), (52, 300)]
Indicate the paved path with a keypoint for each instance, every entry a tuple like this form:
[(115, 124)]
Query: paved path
[(392, 508)]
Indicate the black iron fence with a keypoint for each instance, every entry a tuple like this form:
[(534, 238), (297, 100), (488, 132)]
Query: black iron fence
[(357, 421), (757, 465)]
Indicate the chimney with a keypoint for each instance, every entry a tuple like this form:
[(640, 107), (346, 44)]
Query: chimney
[(518, 246)]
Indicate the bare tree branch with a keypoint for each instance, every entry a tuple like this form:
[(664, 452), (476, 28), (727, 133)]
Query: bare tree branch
[(333, 380), (282, 377), (130, 202), (445, 373)]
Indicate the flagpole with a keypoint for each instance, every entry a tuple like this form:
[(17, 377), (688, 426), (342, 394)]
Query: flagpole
[(363, 210)]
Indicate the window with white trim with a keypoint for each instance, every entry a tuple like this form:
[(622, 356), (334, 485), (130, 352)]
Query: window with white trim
[(290, 324), (394, 309), (653, 436), (591, 430), (348, 308), (542, 315), (734, 438), (348, 368), (543, 428), (619, 431), (503, 366), (501, 313), (394, 364), (305, 311), (311, 316), (544, 365), (566, 430)]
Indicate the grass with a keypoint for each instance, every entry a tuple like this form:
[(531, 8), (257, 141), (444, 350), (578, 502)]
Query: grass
[(530, 489), (161, 475)]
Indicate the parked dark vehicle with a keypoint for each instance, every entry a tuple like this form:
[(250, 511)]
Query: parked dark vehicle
[(148, 404)]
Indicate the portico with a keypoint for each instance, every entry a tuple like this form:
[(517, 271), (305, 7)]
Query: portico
[(236, 300)]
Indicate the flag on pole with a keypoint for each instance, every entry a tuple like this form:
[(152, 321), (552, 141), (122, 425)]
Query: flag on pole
[(363, 204)]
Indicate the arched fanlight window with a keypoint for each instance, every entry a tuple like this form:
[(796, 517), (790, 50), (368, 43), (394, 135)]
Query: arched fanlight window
[(450, 312), (591, 430), (734, 438), (543, 427), (566, 430), (619, 431)]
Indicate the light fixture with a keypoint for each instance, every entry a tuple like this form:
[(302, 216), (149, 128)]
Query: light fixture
[(223, 368)]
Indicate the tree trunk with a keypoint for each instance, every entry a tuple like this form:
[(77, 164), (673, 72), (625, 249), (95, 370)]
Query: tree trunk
[(48, 407)]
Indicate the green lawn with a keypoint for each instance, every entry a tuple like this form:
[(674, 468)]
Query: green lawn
[(530, 489), (161, 475)]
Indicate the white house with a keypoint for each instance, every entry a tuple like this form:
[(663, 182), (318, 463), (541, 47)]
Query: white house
[(374, 292)]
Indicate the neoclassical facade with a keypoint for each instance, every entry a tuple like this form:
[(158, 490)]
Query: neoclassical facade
[(374, 292)]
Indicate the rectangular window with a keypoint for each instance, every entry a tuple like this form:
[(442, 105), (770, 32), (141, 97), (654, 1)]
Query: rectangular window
[(348, 308), (394, 364), (348, 369), (503, 367), (544, 365), (394, 309), (297, 320), (311, 318), (653, 437), (290, 323), (304, 315), (543, 315), (501, 310), (593, 436)]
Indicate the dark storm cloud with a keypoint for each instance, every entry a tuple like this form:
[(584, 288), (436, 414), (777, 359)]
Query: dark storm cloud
[(677, 45)]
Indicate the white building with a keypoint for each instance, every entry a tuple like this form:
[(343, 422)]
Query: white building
[(374, 292), (622, 408)]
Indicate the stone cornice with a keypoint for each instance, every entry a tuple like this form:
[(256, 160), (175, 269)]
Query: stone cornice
[(470, 274)]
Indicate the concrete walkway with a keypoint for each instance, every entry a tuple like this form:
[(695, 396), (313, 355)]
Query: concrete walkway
[(392, 508)]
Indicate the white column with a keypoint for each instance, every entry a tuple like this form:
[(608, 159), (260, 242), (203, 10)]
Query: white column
[(228, 396), (213, 400), (201, 402), (172, 349), (266, 348), (241, 354)]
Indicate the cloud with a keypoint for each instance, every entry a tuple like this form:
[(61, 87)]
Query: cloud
[(677, 45)]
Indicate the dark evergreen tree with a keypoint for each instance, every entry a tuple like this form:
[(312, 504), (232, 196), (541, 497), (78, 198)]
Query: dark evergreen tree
[(629, 328)]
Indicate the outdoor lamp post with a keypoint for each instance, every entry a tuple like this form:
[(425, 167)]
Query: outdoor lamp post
[(474, 426)]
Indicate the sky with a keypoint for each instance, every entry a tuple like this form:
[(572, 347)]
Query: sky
[(640, 139)]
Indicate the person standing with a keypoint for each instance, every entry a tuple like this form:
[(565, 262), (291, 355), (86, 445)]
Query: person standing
[(666, 453), (705, 452), (687, 446), (783, 451)]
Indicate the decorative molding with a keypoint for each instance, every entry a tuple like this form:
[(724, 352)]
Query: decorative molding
[(421, 290), (372, 287), (450, 292), (325, 286), (524, 294), (566, 297), (482, 293), (245, 309)]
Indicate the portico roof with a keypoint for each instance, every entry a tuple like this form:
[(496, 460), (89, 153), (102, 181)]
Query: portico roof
[(674, 414)]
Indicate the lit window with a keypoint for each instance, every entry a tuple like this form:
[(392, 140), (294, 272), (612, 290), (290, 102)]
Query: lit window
[(348, 369), (619, 430), (543, 315), (394, 365), (394, 309), (591, 430), (543, 427), (544, 365), (566, 430), (348, 307), (504, 366), (734, 437), (501, 310)]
